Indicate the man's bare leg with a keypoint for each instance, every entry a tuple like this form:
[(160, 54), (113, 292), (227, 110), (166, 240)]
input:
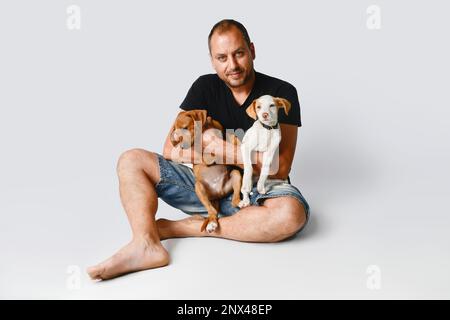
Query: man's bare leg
[(138, 172), (278, 219)]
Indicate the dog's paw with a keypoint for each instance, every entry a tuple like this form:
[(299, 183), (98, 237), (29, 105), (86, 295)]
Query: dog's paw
[(211, 227), (244, 203), (261, 188), (210, 224), (235, 202)]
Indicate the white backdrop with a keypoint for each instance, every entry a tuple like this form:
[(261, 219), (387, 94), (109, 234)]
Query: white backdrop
[(372, 155)]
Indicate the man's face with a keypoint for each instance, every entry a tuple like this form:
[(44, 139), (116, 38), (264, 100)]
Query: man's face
[(231, 57)]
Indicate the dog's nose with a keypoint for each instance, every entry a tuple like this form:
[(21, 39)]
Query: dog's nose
[(265, 115)]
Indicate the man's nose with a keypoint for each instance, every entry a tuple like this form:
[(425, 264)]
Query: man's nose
[(265, 115), (232, 63)]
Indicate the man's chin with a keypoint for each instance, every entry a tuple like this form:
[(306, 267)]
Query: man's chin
[(236, 83)]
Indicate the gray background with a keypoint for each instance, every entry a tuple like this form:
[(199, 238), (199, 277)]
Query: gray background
[(372, 155)]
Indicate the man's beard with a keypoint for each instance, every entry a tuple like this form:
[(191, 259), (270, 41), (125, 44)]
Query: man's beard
[(240, 82)]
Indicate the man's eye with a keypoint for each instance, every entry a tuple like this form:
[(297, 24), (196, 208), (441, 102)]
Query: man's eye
[(221, 58), (239, 53)]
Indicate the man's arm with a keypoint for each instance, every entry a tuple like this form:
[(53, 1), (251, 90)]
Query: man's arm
[(286, 151), (231, 154), (226, 150)]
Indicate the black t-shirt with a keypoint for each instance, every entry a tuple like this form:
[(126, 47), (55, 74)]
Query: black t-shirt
[(210, 93)]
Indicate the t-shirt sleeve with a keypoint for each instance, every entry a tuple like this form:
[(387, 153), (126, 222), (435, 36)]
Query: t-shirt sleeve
[(288, 92), (195, 98)]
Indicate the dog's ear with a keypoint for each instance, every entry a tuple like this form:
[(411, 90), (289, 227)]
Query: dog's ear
[(251, 110), (181, 122), (282, 103), (216, 124)]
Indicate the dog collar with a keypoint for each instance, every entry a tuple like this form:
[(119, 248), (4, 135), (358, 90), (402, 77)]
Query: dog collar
[(269, 127)]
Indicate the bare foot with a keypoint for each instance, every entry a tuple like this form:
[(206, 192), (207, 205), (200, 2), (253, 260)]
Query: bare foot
[(136, 256)]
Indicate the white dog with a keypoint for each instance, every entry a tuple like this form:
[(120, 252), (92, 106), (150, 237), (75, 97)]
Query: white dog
[(264, 136)]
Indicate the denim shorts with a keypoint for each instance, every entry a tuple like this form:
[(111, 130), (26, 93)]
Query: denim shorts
[(177, 188)]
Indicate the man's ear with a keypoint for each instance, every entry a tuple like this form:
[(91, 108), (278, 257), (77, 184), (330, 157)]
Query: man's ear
[(252, 50), (251, 110), (282, 103)]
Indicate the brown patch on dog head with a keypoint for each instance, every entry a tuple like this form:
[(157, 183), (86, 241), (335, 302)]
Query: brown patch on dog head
[(251, 109), (186, 121), (282, 103)]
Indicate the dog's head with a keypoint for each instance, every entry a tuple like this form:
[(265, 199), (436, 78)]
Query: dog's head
[(265, 109), (184, 127)]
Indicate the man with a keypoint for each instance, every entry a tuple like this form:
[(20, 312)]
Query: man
[(144, 176)]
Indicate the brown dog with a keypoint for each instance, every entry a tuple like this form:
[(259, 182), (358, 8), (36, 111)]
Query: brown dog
[(212, 181)]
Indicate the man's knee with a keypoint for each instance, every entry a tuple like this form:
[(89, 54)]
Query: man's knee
[(138, 159), (288, 216)]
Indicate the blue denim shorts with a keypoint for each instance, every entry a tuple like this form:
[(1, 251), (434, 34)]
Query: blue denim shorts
[(177, 188)]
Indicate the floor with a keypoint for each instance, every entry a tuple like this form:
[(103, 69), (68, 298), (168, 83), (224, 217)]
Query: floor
[(372, 155)]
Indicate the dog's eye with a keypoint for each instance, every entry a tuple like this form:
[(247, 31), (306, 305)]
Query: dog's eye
[(272, 106), (258, 107)]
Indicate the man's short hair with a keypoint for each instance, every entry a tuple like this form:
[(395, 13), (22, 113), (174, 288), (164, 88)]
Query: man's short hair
[(225, 25)]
